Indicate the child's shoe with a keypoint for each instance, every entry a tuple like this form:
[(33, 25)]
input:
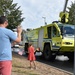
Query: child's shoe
[(35, 67), (31, 68)]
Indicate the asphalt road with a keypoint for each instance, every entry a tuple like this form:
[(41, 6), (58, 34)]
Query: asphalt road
[(64, 65)]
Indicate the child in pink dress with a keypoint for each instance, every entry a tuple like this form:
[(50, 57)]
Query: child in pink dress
[(31, 55)]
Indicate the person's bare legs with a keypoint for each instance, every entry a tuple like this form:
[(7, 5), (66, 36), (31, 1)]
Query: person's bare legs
[(30, 64), (34, 64)]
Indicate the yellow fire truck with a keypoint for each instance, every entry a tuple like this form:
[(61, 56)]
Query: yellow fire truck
[(52, 39)]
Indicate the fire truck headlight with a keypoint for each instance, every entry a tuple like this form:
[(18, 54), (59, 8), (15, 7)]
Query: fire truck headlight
[(54, 44)]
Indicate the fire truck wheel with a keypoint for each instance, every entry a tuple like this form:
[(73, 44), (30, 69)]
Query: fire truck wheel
[(71, 56), (47, 52)]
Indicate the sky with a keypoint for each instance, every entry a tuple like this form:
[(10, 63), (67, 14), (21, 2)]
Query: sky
[(34, 11)]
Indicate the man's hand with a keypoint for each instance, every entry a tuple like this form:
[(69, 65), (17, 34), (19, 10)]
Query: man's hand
[(19, 29)]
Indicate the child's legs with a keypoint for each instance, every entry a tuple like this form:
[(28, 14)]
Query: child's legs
[(30, 63), (34, 63)]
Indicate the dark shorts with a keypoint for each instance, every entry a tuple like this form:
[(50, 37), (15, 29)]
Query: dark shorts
[(5, 67)]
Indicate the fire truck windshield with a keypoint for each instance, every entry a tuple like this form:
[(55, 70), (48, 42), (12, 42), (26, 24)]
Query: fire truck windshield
[(67, 30)]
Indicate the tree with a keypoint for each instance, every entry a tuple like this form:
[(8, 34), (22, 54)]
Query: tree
[(12, 12), (72, 14)]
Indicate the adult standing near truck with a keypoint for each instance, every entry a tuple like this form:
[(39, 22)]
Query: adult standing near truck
[(7, 36)]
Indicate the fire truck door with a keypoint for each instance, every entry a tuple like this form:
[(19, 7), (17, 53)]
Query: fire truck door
[(40, 38)]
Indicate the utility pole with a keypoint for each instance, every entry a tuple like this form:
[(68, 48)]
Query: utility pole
[(64, 10), (74, 49)]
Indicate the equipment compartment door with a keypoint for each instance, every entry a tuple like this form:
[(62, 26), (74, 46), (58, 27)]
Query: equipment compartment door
[(40, 38)]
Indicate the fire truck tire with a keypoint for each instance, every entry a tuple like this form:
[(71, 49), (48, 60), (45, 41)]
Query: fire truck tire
[(47, 53), (71, 56)]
